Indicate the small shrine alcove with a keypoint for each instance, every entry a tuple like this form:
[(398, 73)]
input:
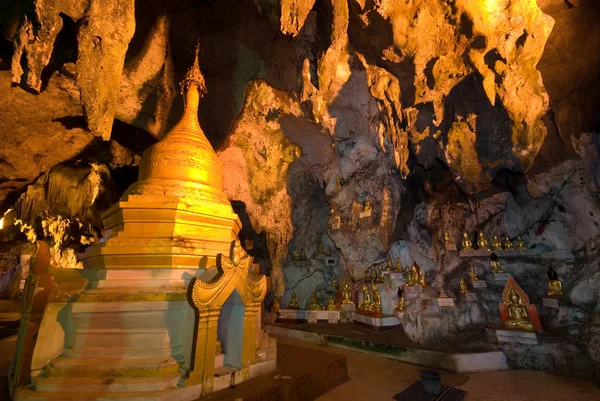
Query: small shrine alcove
[(230, 330), (227, 308)]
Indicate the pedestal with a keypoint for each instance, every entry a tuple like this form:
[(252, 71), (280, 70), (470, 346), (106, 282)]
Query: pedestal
[(516, 337), (479, 284), (550, 302), (347, 312), (292, 316), (376, 323), (501, 276), (323, 316)]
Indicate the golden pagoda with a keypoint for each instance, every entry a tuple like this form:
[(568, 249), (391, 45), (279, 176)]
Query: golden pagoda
[(176, 215)]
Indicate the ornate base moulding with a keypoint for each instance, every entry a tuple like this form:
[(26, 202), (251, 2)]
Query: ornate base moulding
[(383, 323)]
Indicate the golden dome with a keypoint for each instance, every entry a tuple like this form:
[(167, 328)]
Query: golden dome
[(183, 164)]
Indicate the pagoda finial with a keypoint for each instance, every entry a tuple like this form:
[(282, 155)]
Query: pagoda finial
[(194, 76)]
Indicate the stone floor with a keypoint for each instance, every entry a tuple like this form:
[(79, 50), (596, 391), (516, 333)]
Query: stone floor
[(376, 378)]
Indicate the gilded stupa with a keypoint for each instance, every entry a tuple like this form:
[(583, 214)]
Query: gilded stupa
[(176, 215)]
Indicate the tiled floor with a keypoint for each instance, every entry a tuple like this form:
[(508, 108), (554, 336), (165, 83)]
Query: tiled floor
[(379, 379)]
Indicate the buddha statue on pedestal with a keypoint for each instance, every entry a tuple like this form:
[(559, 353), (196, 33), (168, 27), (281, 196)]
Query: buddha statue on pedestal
[(555, 289), (313, 304), (496, 244), (380, 273), (463, 286), (388, 264), (331, 304), (495, 263), (473, 275), (400, 304), (293, 301), (398, 266), (321, 250), (338, 183), (508, 245), (520, 243), (328, 250), (466, 243), (517, 314), (334, 283), (376, 304), (365, 305), (296, 254), (482, 242), (347, 293), (412, 275), (446, 238), (421, 279)]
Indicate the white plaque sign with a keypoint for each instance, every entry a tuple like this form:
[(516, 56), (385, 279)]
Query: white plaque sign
[(444, 301), (471, 297), (479, 284), (397, 276), (550, 302), (333, 317), (518, 337), (313, 316), (501, 276)]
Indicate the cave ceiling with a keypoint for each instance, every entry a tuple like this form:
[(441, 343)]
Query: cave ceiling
[(479, 86)]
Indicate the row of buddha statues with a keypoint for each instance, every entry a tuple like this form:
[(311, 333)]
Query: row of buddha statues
[(482, 243), (313, 303), (300, 254)]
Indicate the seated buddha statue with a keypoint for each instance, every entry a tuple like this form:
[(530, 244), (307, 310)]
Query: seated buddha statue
[(495, 263), (518, 318), (376, 304), (388, 264), (398, 266), (411, 275), (293, 301), (328, 250), (347, 293), (463, 286), (555, 289), (400, 304), (446, 238), (482, 242), (368, 208), (496, 244), (520, 243), (331, 303), (508, 245), (421, 278), (321, 250), (466, 243), (338, 183), (365, 305), (275, 307), (473, 275), (313, 304), (296, 254)]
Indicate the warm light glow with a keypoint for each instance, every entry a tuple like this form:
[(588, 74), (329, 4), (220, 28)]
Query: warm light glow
[(2, 219)]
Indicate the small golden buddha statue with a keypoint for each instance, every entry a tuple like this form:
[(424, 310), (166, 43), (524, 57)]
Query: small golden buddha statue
[(508, 245), (313, 304), (495, 263), (334, 283), (400, 304), (517, 314), (482, 242), (347, 293), (463, 286), (338, 183), (555, 289), (466, 243), (473, 275), (296, 254), (365, 305), (520, 243), (496, 244), (412, 275), (321, 250), (376, 304), (380, 274), (276, 305), (368, 208), (331, 304), (398, 266), (446, 238), (421, 279), (302, 254), (293, 301), (328, 250), (337, 220), (388, 264)]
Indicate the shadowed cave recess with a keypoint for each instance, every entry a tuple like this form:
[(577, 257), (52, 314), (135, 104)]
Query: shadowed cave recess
[(443, 116)]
